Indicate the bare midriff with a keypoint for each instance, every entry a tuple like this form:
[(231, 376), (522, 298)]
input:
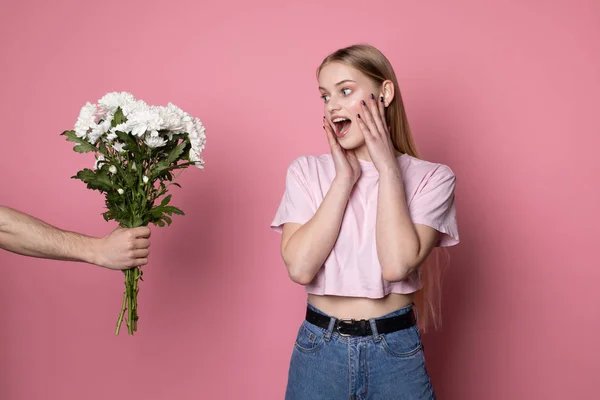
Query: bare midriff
[(360, 307)]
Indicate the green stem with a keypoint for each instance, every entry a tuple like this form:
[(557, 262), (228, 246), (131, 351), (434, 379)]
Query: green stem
[(134, 304), (131, 300), (135, 219), (122, 314)]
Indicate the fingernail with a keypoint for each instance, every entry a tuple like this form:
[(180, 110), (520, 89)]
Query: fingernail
[(363, 103), (372, 96), (358, 114), (381, 99)]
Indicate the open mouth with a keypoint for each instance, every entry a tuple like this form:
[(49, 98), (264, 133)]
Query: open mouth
[(342, 126)]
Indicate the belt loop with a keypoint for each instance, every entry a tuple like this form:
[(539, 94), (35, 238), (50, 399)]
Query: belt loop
[(374, 329), (416, 311), (330, 329)]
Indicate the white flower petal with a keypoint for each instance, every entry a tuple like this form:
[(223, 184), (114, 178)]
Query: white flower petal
[(154, 141), (118, 146), (111, 101), (87, 120), (99, 162)]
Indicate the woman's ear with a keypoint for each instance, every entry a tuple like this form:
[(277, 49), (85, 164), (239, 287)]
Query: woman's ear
[(387, 91)]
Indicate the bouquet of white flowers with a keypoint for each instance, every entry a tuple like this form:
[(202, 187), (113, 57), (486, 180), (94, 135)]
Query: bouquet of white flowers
[(137, 148)]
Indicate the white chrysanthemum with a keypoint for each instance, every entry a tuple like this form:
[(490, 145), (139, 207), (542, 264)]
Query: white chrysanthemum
[(133, 107), (111, 101), (110, 137), (146, 119), (118, 146), (172, 118), (112, 169), (197, 134), (109, 104), (86, 120), (195, 158), (122, 127), (197, 137), (99, 162), (154, 140), (98, 131)]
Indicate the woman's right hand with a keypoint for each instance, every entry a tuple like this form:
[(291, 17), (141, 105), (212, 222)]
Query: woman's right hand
[(347, 167)]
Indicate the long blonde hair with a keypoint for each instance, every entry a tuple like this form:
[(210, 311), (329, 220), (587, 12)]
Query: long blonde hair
[(373, 64)]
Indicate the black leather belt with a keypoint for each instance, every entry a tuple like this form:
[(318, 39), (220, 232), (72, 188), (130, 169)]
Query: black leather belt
[(351, 327)]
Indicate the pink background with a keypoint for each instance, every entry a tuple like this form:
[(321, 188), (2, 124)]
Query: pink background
[(504, 92)]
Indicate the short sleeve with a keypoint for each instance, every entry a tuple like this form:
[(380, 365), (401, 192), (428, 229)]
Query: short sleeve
[(433, 205), (297, 203)]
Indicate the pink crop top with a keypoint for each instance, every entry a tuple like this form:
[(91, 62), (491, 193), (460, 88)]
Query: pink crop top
[(352, 268)]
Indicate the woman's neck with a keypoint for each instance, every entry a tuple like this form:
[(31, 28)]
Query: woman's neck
[(362, 153)]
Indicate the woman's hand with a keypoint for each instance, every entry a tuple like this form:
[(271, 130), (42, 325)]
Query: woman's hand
[(347, 167), (377, 136)]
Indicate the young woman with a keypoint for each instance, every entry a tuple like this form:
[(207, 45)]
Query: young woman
[(357, 225)]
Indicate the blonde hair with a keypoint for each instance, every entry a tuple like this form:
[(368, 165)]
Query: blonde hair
[(373, 64)]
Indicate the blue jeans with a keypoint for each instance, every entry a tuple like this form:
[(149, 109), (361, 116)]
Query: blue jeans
[(328, 366)]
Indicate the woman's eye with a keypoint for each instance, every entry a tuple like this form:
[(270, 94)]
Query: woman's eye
[(346, 92), (325, 98)]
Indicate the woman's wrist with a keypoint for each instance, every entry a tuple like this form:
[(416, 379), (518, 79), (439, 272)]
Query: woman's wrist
[(345, 185), (391, 171)]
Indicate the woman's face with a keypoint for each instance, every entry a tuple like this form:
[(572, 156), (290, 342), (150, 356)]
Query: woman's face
[(342, 89)]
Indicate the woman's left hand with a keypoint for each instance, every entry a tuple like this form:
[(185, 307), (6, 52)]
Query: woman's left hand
[(377, 136)]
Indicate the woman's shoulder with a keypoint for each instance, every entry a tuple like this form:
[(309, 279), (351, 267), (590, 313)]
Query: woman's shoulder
[(310, 164), (420, 167)]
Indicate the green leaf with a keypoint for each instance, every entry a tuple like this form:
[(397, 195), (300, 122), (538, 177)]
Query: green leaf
[(125, 137), (172, 210), (116, 200), (102, 148), (161, 214), (137, 221), (130, 142), (159, 169), (108, 215), (165, 201), (130, 178), (82, 146), (118, 118), (69, 135), (95, 180), (176, 152)]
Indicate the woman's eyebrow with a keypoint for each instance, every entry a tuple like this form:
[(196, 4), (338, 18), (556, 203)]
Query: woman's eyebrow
[(339, 83)]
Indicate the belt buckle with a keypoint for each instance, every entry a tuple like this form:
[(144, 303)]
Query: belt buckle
[(346, 321)]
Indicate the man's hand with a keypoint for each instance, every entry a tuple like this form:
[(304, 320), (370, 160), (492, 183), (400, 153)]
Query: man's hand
[(123, 248)]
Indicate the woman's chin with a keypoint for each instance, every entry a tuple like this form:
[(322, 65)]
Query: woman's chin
[(351, 141)]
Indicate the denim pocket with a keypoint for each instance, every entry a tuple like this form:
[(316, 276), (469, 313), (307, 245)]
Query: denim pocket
[(310, 338), (404, 343)]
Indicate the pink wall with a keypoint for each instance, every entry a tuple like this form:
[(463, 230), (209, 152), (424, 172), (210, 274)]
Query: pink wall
[(504, 93)]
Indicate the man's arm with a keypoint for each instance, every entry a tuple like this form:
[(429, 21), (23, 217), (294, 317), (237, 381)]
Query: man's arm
[(23, 234)]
